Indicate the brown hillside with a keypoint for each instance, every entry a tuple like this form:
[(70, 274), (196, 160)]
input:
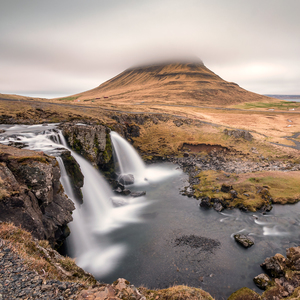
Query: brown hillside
[(174, 83)]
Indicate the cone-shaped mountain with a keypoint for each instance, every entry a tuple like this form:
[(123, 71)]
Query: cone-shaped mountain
[(171, 83)]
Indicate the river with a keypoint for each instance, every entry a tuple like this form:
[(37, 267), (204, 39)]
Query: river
[(140, 240)]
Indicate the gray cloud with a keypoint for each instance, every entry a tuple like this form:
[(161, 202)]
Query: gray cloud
[(64, 47)]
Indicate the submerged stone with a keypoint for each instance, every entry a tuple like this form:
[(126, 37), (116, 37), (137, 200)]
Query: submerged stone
[(138, 194)]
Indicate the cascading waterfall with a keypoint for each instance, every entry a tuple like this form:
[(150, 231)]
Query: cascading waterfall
[(128, 159), (104, 241), (95, 252), (96, 218)]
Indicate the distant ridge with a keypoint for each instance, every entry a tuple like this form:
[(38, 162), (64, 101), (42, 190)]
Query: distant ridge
[(190, 83)]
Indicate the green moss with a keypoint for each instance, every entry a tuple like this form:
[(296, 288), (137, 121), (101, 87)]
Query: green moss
[(76, 146), (107, 153), (231, 191), (244, 294), (96, 143), (24, 159)]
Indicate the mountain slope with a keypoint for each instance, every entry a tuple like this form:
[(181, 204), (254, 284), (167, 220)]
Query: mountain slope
[(173, 83)]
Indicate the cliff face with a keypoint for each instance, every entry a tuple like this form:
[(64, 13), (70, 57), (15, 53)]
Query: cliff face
[(92, 142), (31, 195)]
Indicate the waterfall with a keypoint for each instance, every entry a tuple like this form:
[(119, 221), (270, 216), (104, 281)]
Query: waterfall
[(95, 223), (82, 241), (128, 159), (95, 188), (129, 162)]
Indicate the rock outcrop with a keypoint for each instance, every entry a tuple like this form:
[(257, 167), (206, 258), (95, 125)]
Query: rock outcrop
[(238, 134), (92, 142), (244, 240), (284, 273), (74, 173), (31, 195)]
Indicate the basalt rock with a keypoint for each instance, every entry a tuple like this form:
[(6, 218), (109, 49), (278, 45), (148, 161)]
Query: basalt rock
[(92, 142), (74, 173), (285, 275), (262, 281), (31, 195), (274, 265), (243, 240)]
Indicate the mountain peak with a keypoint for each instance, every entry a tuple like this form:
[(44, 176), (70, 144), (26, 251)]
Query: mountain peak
[(181, 82)]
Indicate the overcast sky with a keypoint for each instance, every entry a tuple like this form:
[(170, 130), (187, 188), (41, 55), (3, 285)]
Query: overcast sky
[(62, 47)]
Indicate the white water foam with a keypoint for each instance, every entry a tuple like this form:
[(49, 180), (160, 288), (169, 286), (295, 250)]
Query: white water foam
[(129, 162)]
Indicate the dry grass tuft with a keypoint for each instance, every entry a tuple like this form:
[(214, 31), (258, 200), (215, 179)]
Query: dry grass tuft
[(178, 292), (39, 256)]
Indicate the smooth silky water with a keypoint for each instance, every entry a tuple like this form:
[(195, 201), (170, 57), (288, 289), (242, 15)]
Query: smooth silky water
[(137, 240)]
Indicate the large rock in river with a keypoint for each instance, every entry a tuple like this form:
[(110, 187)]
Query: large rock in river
[(31, 195)]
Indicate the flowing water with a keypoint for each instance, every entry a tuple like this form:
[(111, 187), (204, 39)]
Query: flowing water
[(137, 241)]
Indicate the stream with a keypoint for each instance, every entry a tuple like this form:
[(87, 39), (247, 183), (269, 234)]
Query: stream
[(162, 238)]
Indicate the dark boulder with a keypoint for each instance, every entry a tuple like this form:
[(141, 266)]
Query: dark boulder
[(274, 265), (226, 188), (293, 258), (205, 202), (244, 240), (126, 179), (262, 281), (74, 173), (32, 196), (218, 206)]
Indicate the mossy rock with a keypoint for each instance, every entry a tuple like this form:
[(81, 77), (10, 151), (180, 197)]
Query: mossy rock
[(74, 173), (244, 294)]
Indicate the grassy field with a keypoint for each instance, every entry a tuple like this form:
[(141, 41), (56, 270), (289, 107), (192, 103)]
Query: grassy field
[(253, 190)]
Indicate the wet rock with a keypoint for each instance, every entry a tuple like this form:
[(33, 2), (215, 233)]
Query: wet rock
[(188, 191), (218, 207), (17, 144), (92, 141), (126, 179), (274, 265), (34, 197), (244, 240), (74, 173), (262, 281), (138, 194), (205, 202), (293, 258)]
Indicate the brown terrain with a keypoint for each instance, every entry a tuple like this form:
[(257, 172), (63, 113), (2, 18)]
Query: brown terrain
[(185, 111), (175, 83)]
